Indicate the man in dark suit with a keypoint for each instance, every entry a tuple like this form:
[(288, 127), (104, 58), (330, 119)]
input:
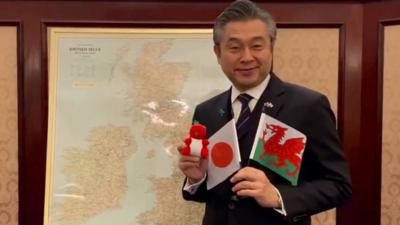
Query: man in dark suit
[(244, 36)]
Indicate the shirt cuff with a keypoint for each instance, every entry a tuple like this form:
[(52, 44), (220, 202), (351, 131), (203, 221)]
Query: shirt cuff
[(192, 188), (280, 210)]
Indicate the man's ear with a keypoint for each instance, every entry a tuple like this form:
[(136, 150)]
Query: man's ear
[(217, 52)]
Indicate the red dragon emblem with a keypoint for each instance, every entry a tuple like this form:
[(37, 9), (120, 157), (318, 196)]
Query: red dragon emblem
[(290, 149)]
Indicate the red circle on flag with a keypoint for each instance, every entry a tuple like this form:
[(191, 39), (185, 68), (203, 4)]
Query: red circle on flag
[(221, 154)]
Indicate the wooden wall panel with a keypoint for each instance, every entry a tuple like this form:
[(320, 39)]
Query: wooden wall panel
[(376, 17)]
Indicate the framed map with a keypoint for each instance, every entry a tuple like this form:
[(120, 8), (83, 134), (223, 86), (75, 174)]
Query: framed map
[(119, 102)]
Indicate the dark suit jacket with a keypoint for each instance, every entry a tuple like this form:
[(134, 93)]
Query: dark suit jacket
[(324, 180)]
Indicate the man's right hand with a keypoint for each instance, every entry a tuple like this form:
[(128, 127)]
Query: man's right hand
[(194, 167)]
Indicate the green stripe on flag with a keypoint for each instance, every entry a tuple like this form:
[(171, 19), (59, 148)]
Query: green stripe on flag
[(268, 160)]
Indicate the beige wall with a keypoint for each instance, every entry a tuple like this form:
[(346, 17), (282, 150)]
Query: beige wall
[(390, 203), (310, 57), (8, 127)]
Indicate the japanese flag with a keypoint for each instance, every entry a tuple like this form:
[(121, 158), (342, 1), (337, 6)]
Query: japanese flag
[(224, 155)]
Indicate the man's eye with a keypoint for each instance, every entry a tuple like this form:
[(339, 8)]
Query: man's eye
[(258, 47)]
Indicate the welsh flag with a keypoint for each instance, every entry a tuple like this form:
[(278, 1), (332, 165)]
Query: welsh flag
[(279, 147), (224, 155)]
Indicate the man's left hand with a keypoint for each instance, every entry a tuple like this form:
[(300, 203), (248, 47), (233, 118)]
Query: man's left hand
[(252, 182)]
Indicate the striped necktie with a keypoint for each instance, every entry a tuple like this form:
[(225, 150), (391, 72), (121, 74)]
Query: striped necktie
[(245, 112), (241, 123)]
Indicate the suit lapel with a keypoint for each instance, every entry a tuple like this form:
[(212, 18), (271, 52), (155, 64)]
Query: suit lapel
[(222, 113), (272, 99)]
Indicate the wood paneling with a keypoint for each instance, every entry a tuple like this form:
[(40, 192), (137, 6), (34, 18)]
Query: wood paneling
[(376, 16), (359, 124)]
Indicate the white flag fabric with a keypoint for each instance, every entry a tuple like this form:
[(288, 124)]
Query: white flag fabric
[(224, 156)]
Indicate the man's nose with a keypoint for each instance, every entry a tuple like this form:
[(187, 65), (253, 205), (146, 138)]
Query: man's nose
[(247, 55)]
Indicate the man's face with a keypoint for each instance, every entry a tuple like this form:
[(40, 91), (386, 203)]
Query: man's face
[(244, 53)]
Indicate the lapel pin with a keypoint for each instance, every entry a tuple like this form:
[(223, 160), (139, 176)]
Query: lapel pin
[(221, 112), (269, 105)]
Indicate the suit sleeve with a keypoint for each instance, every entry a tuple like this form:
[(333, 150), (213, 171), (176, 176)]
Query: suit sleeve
[(324, 180), (200, 194)]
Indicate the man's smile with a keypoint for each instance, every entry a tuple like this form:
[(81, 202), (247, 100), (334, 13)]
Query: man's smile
[(246, 69)]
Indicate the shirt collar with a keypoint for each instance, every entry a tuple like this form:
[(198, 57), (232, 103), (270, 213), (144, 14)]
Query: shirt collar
[(254, 92)]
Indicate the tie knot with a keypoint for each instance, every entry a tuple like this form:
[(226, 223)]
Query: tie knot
[(244, 98)]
